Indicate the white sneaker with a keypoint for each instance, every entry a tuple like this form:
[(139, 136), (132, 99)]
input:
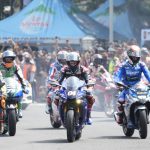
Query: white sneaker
[(46, 109), (20, 113)]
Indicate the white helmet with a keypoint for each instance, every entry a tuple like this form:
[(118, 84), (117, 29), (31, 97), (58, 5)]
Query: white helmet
[(73, 59), (62, 56), (8, 54), (134, 54)]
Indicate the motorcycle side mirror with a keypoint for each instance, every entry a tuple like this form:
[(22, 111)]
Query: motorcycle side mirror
[(86, 85), (63, 88), (56, 84), (81, 87), (121, 84)]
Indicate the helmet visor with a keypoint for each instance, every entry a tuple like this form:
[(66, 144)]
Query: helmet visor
[(98, 61), (73, 63), (62, 61), (8, 59), (134, 59)]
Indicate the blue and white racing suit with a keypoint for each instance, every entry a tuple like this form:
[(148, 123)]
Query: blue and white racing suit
[(130, 75), (54, 71), (53, 74)]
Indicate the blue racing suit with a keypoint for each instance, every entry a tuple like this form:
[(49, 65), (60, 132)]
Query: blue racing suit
[(130, 75)]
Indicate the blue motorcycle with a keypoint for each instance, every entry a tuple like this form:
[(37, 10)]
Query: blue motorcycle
[(136, 109), (73, 106)]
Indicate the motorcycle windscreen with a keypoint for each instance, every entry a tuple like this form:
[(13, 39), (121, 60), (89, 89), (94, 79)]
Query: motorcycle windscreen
[(140, 87), (140, 90), (72, 85)]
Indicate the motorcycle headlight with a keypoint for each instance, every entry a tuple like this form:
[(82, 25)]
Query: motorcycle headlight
[(78, 101), (142, 97)]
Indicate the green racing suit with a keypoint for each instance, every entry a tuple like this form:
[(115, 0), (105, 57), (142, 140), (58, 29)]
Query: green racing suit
[(14, 72)]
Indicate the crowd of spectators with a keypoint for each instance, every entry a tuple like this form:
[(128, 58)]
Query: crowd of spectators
[(35, 63)]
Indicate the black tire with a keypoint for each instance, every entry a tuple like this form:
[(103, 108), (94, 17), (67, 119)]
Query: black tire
[(127, 131), (109, 109), (12, 122), (55, 124), (78, 135), (142, 124), (71, 133)]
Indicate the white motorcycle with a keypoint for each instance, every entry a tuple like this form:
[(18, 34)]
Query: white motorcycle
[(136, 110)]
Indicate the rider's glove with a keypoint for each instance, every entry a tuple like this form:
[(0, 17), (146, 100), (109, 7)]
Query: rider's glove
[(25, 90)]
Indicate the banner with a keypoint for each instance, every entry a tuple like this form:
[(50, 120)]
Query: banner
[(145, 36)]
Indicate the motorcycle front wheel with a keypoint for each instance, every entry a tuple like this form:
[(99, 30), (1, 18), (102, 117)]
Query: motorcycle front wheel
[(78, 135), (142, 124), (70, 126), (12, 122)]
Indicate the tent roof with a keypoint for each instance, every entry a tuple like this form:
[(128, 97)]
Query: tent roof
[(88, 24), (42, 19), (121, 20)]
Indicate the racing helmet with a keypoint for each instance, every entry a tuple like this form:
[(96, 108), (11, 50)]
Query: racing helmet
[(62, 56), (97, 60), (144, 51), (8, 57), (73, 59), (134, 54)]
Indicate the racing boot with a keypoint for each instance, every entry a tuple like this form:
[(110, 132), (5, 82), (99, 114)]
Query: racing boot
[(88, 119), (48, 107), (20, 113), (119, 114), (5, 128), (5, 124), (56, 101), (129, 123), (1, 122), (20, 110), (91, 101)]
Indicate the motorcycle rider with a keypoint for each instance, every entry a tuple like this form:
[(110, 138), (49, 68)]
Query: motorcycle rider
[(94, 66), (98, 71), (74, 68), (130, 73), (54, 73), (8, 68), (97, 68)]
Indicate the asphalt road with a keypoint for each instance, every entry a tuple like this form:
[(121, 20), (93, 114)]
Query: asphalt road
[(34, 132)]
